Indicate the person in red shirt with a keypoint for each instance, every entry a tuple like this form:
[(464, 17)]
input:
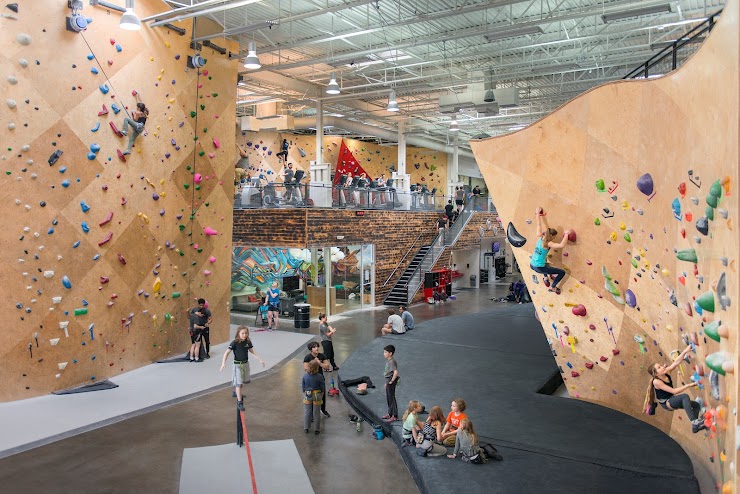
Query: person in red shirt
[(452, 424)]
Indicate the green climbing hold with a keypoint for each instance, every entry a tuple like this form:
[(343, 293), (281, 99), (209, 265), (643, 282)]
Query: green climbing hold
[(202, 107), (81, 311), (706, 301), (182, 227), (716, 189), (687, 255), (205, 130), (187, 186), (200, 250), (627, 237), (188, 168), (634, 263), (215, 95), (8, 173), (712, 200), (715, 360), (182, 253), (600, 185), (175, 294), (712, 330), (597, 221), (201, 153), (193, 114), (197, 187), (709, 211)]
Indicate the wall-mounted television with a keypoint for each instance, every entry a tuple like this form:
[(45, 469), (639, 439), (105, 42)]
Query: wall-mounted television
[(291, 283)]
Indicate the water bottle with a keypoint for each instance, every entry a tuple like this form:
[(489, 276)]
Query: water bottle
[(359, 425)]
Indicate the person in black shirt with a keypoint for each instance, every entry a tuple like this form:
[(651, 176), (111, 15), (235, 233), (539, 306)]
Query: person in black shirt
[(136, 122), (476, 191), (242, 347), (448, 209), (202, 315), (324, 365), (283, 151)]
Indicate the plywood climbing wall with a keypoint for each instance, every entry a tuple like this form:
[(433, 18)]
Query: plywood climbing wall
[(103, 257), (646, 173)]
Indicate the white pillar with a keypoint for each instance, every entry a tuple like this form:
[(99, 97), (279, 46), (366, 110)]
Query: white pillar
[(319, 132), (453, 178)]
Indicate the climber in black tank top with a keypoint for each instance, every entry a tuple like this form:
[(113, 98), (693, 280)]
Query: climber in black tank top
[(672, 398), (136, 122)]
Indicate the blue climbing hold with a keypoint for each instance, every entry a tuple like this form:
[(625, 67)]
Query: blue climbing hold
[(66, 282), (50, 231), (96, 257), (95, 147), (119, 50), (90, 156), (90, 56), (95, 129), (62, 169), (76, 244), (94, 70), (84, 302), (104, 88), (85, 227), (115, 108), (84, 206), (65, 184)]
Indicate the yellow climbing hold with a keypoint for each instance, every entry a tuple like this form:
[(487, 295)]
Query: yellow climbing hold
[(144, 218), (159, 77), (157, 285), (171, 100), (613, 236), (161, 181), (665, 272), (625, 205), (151, 59), (167, 45), (622, 226), (668, 327), (161, 71)]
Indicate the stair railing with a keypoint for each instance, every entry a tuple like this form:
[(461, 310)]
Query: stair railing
[(432, 256), (400, 263), (457, 227)]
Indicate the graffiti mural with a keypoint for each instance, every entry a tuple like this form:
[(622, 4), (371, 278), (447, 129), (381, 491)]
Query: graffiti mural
[(260, 266)]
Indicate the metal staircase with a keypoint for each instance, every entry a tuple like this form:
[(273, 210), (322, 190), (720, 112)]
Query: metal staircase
[(399, 294)]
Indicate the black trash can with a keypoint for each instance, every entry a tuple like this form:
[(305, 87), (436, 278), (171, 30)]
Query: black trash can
[(302, 314), (473, 280)]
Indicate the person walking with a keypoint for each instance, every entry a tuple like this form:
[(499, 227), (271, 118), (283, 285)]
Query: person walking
[(327, 332), (242, 347)]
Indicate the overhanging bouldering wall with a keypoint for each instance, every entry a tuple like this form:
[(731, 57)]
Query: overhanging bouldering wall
[(646, 173), (103, 257)]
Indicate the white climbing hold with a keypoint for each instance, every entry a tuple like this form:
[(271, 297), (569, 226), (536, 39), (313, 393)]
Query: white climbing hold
[(23, 38), (13, 79), (56, 300), (26, 148), (26, 229), (11, 103), (23, 63), (62, 365), (48, 274), (54, 341), (57, 376), (28, 207), (11, 126), (17, 201), (34, 175)]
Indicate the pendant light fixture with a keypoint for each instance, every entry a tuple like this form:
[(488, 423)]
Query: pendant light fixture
[(333, 87), (129, 20), (252, 62), (392, 103)]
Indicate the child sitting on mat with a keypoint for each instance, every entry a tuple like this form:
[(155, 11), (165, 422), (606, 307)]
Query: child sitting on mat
[(454, 418), (466, 441), (411, 422)]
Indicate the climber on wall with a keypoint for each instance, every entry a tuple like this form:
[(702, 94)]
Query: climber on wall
[(545, 235), (137, 122), (661, 390), (283, 151)]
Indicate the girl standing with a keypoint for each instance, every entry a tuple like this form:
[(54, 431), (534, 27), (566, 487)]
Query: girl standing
[(272, 301), (139, 115), (326, 333), (542, 248), (313, 386), (242, 347), (411, 423)]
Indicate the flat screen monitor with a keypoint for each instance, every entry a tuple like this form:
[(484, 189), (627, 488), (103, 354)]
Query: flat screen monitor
[(291, 283)]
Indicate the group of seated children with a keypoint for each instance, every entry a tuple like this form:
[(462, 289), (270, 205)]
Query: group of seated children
[(433, 435)]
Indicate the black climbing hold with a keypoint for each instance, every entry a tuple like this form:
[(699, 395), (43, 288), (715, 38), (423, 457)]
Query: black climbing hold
[(13, 7), (55, 156), (514, 237), (42, 204), (702, 225)]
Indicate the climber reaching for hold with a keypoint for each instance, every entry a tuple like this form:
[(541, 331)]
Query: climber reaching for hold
[(137, 122), (545, 235), (661, 390)]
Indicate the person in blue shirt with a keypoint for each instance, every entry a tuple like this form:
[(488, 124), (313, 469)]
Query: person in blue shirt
[(272, 301), (545, 242)]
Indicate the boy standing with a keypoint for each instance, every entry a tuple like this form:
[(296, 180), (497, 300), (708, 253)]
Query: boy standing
[(391, 380), (324, 365)]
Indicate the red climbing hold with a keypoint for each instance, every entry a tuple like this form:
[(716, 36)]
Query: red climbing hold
[(123, 201), (572, 236), (115, 129), (592, 327), (574, 374), (107, 219), (102, 112), (122, 259), (106, 239), (603, 359), (579, 310), (615, 352), (104, 280), (120, 154), (589, 365)]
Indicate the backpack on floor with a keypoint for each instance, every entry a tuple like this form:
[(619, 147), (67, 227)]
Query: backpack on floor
[(491, 452)]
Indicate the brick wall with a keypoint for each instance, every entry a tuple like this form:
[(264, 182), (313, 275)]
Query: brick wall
[(470, 236), (392, 233)]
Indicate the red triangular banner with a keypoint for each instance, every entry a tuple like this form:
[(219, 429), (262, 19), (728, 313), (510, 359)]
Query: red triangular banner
[(346, 163)]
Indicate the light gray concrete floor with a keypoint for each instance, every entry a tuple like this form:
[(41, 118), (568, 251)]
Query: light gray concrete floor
[(144, 454)]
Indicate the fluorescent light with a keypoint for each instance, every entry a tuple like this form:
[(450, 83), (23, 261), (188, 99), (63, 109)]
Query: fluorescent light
[(512, 33), (252, 61), (626, 14), (333, 87)]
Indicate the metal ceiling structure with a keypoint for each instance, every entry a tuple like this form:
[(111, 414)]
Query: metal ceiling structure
[(549, 50)]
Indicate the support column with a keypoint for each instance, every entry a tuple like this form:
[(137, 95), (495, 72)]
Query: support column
[(453, 178), (401, 179), (320, 172)]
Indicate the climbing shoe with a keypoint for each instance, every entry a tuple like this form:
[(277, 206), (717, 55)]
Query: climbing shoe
[(240, 406), (697, 425)]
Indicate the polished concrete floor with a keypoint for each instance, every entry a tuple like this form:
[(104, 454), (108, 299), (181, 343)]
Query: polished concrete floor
[(143, 454)]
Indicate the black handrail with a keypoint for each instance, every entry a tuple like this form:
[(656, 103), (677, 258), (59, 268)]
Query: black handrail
[(672, 50)]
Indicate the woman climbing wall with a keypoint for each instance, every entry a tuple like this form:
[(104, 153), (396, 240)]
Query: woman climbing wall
[(542, 248), (136, 123), (661, 389)]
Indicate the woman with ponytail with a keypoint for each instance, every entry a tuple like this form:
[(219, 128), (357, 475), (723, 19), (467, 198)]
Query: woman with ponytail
[(671, 398), (136, 123)]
